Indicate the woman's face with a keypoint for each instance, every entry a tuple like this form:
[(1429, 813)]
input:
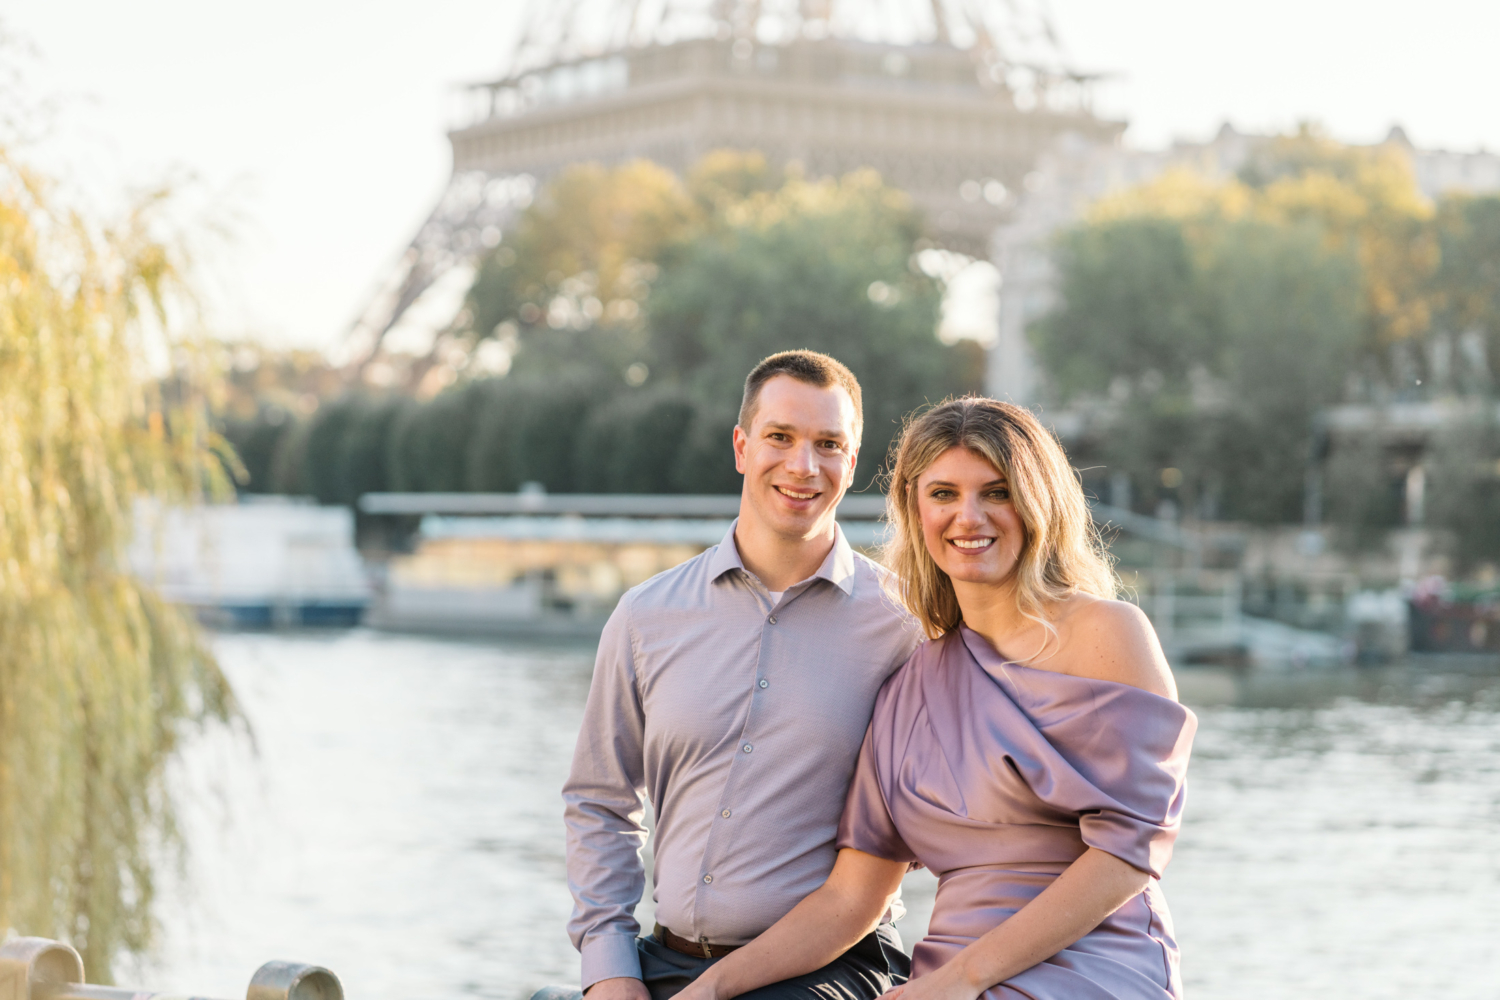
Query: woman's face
[(969, 524)]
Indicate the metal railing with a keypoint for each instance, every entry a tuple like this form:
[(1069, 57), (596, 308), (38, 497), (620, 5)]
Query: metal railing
[(1190, 609), (33, 968), (859, 506)]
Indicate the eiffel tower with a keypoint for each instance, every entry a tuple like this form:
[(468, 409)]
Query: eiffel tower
[(950, 100)]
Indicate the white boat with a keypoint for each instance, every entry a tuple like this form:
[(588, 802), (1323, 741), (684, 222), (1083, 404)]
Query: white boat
[(262, 562)]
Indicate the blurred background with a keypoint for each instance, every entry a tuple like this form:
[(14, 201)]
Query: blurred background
[(356, 358)]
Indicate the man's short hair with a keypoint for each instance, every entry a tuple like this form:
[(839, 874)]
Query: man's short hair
[(805, 366)]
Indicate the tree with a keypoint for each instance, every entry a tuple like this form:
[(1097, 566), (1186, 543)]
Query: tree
[(826, 266), (348, 448), (1464, 487), (256, 441), (428, 447), (1363, 202), (1466, 285), (1366, 203), (660, 296), (633, 443), (98, 676), (528, 431), (1217, 340), (579, 260), (1132, 304)]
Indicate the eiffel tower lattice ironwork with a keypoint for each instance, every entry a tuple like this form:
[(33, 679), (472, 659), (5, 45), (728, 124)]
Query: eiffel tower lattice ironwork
[(950, 100)]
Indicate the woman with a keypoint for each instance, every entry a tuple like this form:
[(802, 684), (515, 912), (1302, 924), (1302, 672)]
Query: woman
[(1032, 754)]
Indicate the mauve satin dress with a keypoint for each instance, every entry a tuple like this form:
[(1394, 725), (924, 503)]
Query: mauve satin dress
[(996, 777)]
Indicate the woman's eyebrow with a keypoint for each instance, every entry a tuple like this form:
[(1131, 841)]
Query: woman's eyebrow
[(943, 482)]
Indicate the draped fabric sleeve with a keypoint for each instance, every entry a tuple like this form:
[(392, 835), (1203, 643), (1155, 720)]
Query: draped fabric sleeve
[(867, 825), (1136, 775)]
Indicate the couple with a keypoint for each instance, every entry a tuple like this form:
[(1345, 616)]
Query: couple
[(803, 748)]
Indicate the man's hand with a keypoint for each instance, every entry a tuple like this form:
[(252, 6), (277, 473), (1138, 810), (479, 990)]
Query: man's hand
[(619, 988)]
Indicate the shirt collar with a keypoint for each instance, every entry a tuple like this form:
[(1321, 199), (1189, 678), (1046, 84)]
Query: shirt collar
[(837, 568)]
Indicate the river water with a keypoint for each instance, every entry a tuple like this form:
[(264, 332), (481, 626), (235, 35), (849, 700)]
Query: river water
[(394, 815)]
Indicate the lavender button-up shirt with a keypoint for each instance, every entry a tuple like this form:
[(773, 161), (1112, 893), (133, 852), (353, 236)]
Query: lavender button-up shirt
[(742, 720)]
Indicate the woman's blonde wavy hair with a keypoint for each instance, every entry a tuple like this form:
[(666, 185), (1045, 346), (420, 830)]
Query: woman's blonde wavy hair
[(1062, 553)]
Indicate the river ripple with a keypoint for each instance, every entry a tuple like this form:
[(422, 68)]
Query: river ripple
[(398, 820)]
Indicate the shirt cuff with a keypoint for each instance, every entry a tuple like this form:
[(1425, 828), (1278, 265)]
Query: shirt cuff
[(609, 956)]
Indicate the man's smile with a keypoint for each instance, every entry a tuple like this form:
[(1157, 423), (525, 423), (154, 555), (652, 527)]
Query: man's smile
[(795, 495)]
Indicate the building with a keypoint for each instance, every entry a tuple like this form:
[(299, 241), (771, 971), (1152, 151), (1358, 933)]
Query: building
[(951, 101)]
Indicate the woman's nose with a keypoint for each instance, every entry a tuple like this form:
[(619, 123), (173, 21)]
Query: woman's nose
[(970, 512)]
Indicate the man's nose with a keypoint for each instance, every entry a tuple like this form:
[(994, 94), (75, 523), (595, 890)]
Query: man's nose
[(802, 461)]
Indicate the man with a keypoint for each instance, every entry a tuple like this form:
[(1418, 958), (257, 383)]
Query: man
[(735, 690)]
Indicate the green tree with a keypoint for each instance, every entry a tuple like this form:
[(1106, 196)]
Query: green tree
[(1132, 304), (348, 448), (826, 266), (567, 284), (1466, 285), (429, 442), (256, 441), (1464, 487), (633, 444), (1217, 341), (622, 277), (98, 677), (1287, 323), (705, 458), (528, 431), (1363, 202)]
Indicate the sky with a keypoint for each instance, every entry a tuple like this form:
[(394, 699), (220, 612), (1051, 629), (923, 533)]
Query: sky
[(314, 131)]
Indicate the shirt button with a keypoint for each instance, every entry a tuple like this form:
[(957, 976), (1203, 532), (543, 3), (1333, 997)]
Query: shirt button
[(747, 747), (765, 683), (707, 879), (725, 814), (772, 619)]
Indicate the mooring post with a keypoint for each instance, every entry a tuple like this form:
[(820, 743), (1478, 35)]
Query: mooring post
[(38, 969), (558, 993)]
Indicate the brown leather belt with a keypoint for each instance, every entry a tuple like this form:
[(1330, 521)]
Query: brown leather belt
[(687, 946)]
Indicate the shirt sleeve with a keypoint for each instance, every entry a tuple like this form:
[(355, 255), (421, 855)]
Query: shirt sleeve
[(604, 812), (867, 825)]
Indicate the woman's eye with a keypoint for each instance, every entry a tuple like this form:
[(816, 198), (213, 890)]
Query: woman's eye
[(1000, 494)]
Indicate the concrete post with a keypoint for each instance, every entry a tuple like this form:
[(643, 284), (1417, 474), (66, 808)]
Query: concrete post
[(34, 968)]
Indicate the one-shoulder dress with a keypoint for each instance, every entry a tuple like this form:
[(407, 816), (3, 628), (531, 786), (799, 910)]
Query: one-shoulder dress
[(996, 777)]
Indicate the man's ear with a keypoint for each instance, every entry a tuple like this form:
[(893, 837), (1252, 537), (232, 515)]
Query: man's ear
[(740, 440)]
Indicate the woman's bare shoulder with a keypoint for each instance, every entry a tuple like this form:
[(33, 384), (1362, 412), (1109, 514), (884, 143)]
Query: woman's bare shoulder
[(1112, 641)]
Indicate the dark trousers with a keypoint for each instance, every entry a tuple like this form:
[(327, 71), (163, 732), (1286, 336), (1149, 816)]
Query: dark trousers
[(874, 965)]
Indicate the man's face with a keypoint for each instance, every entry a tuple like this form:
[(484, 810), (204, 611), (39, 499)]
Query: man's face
[(797, 456)]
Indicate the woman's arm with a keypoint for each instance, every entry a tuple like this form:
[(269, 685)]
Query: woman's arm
[(816, 931), (1091, 888)]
